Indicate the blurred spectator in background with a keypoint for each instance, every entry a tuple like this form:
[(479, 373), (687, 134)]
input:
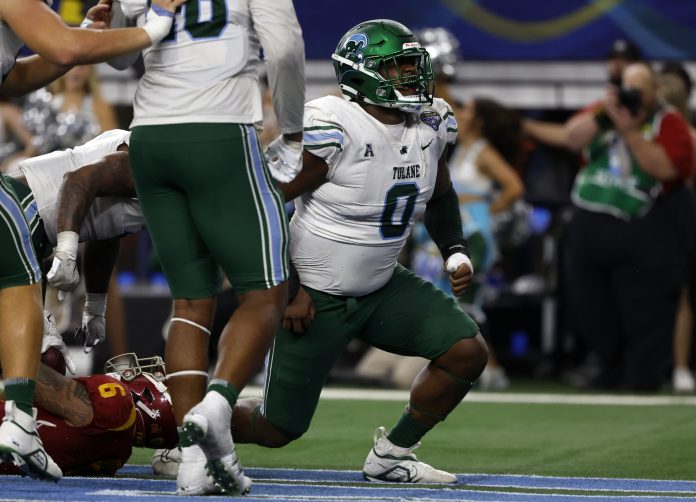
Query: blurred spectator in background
[(15, 139), (675, 89), (621, 54), (78, 92), (632, 231)]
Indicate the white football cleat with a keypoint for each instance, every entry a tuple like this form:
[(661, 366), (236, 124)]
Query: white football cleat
[(208, 424), (683, 381), (393, 464), (166, 462), (192, 477), (21, 445)]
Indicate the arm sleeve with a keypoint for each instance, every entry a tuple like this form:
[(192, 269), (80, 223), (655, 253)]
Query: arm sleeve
[(324, 137), (120, 20), (675, 139), (280, 34), (443, 222)]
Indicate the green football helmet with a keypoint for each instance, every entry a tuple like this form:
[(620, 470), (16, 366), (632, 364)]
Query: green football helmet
[(369, 60)]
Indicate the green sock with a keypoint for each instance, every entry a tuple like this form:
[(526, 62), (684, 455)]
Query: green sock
[(21, 391), (224, 388), (407, 431)]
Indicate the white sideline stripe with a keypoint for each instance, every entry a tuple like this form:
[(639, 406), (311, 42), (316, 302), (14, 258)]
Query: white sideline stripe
[(496, 397)]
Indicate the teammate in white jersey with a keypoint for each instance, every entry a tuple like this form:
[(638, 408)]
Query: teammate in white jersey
[(210, 203), (57, 48), (84, 194), (371, 163)]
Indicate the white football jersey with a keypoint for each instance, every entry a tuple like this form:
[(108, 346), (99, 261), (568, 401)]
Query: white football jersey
[(108, 217), (9, 48), (347, 234), (207, 68)]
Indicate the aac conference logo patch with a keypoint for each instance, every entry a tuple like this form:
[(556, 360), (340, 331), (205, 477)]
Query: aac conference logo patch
[(432, 119)]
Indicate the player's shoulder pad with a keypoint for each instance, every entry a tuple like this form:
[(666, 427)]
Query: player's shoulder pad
[(440, 117), (331, 110), (331, 107), (440, 106)]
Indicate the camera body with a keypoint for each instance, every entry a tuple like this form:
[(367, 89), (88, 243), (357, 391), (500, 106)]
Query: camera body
[(630, 99)]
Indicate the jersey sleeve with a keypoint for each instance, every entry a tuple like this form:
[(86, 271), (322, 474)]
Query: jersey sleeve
[(448, 120), (280, 35), (675, 139), (323, 136), (119, 19), (111, 401)]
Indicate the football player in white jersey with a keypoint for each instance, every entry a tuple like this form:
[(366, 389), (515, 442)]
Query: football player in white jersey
[(210, 203), (371, 163), (57, 48), (83, 194)]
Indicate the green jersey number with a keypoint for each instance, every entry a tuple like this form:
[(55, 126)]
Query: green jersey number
[(401, 194), (201, 29)]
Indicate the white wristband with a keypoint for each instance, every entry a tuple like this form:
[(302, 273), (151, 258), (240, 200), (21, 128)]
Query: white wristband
[(95, 303), (66, 243), (454, 261), (158, 22)]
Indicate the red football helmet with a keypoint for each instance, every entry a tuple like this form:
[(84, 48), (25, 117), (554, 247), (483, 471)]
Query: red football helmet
[(155, 425)]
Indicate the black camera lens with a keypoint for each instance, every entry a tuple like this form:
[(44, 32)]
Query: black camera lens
[(630, 99)]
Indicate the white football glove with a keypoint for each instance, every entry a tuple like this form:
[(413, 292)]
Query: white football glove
[(454, 261), (52, 338), (284, 159), (63, 274), (93, 329)]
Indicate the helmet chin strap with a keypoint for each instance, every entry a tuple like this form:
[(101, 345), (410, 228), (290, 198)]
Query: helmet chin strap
[(404, 107)]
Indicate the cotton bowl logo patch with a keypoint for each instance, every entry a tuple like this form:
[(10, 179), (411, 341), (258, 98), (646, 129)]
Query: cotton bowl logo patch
[(432, 119), (354, 46)]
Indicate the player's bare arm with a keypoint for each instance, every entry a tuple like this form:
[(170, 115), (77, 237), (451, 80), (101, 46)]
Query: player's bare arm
[(63, 397), (110, 176), (59, 46), (311, 177)]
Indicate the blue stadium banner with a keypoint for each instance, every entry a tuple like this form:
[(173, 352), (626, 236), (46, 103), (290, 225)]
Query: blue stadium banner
[(518, 30)]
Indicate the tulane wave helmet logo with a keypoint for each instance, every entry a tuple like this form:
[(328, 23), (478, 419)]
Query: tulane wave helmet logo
[(354, 47)]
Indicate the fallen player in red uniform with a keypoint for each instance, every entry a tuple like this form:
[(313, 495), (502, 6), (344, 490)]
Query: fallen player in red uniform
[(89, 425)]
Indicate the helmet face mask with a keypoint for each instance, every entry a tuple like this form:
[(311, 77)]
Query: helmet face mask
[(380, 62), (129, 366), (155, 425)]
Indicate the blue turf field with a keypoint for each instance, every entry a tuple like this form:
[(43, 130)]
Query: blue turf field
[(136, 482)]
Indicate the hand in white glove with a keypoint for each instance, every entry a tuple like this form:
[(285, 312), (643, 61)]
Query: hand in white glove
[(63, 274), (52, 338), (93, 329), (461, 272), (284, 158)]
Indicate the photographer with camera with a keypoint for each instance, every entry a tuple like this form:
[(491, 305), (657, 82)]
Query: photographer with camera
[(633, 227)]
